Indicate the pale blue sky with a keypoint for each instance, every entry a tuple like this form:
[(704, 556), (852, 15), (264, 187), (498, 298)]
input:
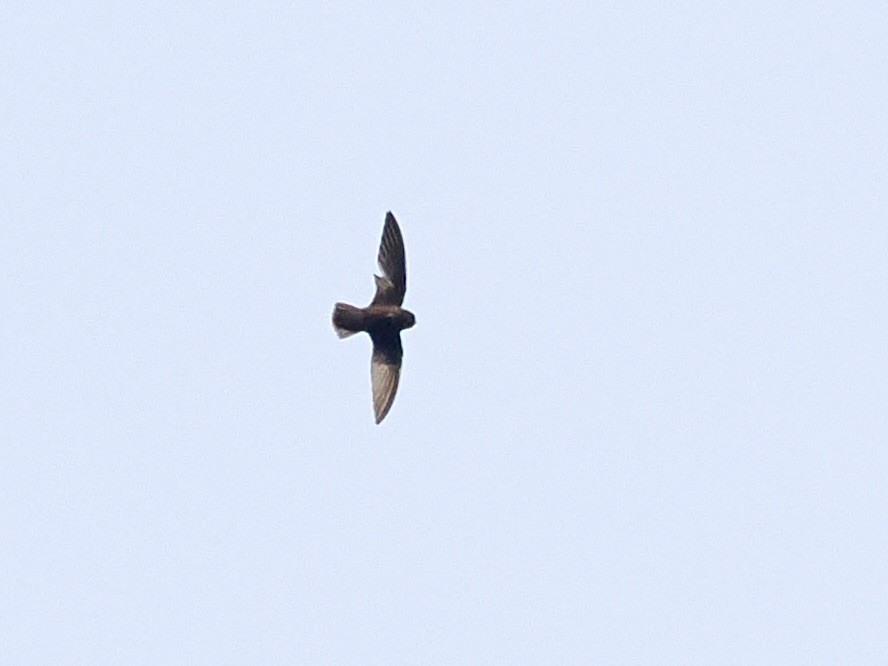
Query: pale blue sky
[(642, 416)]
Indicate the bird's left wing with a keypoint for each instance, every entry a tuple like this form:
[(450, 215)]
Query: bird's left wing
[(385, 372)]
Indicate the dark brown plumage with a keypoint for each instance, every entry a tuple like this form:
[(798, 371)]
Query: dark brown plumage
[(383, 319)]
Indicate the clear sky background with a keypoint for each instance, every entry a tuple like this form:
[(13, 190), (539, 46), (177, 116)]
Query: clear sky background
[(643, 415)]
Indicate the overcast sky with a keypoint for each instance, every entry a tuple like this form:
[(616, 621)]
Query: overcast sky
[(643, 415)]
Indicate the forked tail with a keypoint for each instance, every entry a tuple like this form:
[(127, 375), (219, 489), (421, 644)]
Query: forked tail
[(347, 320)]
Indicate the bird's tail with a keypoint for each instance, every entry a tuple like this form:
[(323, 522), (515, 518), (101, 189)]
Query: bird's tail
[(347, 320)]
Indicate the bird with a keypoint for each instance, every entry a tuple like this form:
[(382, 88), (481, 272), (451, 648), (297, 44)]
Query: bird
[(383, 319)]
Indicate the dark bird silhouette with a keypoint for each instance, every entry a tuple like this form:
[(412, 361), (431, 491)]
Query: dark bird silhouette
[(383, 319)]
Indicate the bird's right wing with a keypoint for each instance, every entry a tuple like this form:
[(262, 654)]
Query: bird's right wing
[(391, 287)]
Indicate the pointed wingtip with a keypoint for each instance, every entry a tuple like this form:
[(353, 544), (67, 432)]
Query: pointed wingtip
[(381, 413)]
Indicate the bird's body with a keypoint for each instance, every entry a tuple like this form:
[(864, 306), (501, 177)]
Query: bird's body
[(383, 319), (377, 320)]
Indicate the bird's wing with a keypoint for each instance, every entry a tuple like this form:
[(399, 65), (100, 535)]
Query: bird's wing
[(385, 371), (391, 287)]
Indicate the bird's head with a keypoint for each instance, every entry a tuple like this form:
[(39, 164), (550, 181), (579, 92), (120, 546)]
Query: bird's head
[(409, 319)]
